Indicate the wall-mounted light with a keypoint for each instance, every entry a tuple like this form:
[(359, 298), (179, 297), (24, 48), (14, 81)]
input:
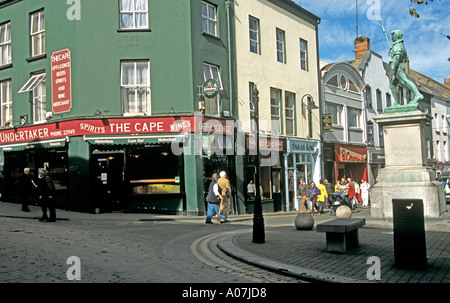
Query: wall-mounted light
[(48, 116)]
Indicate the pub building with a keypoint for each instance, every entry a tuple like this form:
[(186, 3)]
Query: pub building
[(114, 112), (113, 164)]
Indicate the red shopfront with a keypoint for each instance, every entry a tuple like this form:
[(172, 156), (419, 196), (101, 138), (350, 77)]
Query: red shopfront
[(351, 162)]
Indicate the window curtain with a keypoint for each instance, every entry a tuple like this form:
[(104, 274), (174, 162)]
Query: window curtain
[(133, 14)]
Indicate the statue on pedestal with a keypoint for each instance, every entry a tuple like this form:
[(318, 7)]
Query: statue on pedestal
[(397, 57)]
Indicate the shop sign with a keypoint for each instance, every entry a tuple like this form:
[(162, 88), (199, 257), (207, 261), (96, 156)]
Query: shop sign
[(61, 82), (265, 144), (302, 147), (125, 126), (211, 89), (344, 154)]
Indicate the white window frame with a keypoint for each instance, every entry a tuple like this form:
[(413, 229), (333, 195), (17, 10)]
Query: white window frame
[(39, 34), (281, 45), (211, 71), (211, 21), (5, 43), (304, 62), (6, 102), (339, 110), (274, 108), (291, 110), (39, 94), (444, 124), (358, 117), (134, 12), (257, 33), (139, 108)]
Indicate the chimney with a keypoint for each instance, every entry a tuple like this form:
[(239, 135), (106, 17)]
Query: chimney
[(362, 44), (447, 82)]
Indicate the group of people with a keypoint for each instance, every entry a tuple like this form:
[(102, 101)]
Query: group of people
[(319, 197), (45, 191), (218, 198)]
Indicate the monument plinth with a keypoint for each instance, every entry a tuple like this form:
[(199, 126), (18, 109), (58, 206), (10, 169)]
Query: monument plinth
[(406, 174)]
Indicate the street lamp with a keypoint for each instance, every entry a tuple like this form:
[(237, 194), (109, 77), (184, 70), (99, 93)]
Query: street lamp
[(258, 219), (310, 106)]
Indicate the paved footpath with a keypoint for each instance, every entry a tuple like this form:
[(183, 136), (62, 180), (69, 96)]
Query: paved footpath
[(303, 253)]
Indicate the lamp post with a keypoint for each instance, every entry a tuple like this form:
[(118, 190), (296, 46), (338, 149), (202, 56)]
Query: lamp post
[(258, 219), (310, 106)]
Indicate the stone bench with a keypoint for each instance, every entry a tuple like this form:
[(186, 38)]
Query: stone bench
[(341, 234)]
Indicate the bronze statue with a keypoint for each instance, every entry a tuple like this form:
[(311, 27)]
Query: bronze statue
[(397, 56)]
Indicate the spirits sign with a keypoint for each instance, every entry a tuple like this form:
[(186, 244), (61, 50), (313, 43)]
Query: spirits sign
[(61, 82)]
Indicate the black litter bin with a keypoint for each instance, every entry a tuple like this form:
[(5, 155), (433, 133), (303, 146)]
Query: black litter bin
[(409, 233)]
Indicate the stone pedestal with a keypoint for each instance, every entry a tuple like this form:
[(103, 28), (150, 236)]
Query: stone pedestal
[(406, 174)]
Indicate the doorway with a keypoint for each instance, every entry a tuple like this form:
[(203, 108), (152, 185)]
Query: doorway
[(109, 174)]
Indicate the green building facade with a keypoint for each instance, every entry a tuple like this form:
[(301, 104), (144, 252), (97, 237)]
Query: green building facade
[(108, 96)]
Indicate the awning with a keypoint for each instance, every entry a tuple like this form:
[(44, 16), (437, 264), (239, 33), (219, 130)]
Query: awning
[(32, 83), (34, 145), (126, 140)]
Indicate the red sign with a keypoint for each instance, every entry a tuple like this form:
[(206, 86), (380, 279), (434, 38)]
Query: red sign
[(350, 154), (61, 83), (124, 126)]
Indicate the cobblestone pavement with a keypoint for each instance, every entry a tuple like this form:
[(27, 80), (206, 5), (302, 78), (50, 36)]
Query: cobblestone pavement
[(307, 250), (119, 248)]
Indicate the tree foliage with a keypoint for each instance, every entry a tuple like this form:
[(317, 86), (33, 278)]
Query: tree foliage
[(412, 11)]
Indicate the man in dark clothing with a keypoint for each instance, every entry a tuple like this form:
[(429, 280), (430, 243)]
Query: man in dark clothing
[(303, 193), (213, 199), (25, 186), (330, 189), (46, 190)]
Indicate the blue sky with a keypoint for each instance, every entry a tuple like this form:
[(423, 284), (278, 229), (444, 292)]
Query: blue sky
[(428, 49)]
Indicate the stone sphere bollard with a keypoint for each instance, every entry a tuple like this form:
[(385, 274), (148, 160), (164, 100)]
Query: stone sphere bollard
[(343, 212), (304, 222)]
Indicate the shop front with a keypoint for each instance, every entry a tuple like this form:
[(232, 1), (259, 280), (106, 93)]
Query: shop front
[(48, 154), (350, 162), (148, 164), (302, 160), (271, 151)]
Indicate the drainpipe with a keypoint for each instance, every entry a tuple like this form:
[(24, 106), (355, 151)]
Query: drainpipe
[(228, 5)]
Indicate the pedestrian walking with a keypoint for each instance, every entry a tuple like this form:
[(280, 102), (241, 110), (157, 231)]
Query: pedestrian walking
[(25, 185), (351, 195), (322, 197), (357, 189), (251, 191), (224, 184), (303, 194), (343, 187), (365, 189), (213, 199), (314, 192), (330, 190), (46, 190)]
